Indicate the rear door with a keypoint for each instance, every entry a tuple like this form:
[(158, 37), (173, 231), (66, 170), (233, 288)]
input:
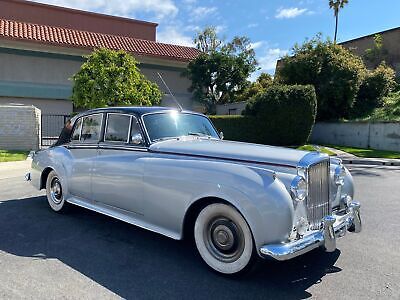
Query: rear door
[(83, 150), (118, 171)]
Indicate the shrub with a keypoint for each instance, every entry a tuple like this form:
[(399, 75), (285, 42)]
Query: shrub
[(376, 85), (112, 78), (390, 110), (283, 115), (334, 71)]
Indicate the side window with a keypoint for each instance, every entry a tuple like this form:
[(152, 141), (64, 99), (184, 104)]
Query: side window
[(91, 128), (77, 130), (136, 133), (117, 129)]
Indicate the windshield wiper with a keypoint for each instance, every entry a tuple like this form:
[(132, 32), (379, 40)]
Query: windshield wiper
[(199, 134)]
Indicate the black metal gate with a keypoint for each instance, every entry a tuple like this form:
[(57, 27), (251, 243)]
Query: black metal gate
[(51, 128)]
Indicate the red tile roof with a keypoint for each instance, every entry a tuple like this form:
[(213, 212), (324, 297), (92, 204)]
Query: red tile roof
[(65, 37)]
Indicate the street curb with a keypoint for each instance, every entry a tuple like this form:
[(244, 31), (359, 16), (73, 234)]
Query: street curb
[(369, 161)]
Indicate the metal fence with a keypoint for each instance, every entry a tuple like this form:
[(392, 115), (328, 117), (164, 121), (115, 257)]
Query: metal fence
[(51, 128)]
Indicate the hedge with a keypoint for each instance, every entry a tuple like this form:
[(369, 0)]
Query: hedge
[(283, 115)]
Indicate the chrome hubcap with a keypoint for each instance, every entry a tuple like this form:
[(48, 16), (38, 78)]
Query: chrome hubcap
[(224, 239), (56, 191)]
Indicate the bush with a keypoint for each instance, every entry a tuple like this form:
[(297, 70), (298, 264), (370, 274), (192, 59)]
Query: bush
[(112, 78), (376, 85), (283, 115), (334, 71), (390, 110)]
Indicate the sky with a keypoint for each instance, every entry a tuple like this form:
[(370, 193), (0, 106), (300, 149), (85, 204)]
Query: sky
[(273, 26)]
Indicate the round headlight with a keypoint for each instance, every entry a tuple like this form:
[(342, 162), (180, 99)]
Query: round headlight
[(340, 173), (298, 188)]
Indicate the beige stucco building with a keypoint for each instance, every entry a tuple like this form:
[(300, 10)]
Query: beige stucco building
[(42, 46), (391, 45)]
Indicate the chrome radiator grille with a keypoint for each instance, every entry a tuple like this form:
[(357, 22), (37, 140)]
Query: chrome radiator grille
[(318, 204)]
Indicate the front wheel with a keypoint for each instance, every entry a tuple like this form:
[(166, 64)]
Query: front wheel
[(224, 239), (55, 193)]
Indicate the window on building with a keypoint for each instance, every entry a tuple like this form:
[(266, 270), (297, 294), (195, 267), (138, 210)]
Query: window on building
[(232, 111)]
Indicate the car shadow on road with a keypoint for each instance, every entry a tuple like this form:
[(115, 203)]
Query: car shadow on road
[(135, 263)]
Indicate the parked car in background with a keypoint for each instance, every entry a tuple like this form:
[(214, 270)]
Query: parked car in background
[(169, 171)]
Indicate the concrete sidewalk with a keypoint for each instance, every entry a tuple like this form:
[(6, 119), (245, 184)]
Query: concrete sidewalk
[(348, 158), (14, 169)]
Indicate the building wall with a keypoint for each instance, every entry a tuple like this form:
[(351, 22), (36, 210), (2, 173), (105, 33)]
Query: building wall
[(235, 108), (47, 106), (42, 79), (19, 128), (75, 19), (391, 43)]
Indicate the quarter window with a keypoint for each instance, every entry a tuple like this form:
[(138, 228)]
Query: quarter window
[(117, 128), (91, 128), (77, 130)]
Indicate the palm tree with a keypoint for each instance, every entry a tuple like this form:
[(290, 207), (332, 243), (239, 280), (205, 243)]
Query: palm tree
[(336, 5)]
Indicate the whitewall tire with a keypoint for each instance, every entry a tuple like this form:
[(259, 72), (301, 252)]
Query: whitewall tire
[(55, 193), (223, 239)]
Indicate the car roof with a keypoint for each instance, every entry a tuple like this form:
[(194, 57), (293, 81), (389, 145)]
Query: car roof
[(136, 110)]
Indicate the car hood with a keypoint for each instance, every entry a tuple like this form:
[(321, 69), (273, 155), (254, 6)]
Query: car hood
[(229, 150)]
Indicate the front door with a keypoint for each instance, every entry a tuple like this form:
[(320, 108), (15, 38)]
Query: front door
[(117, 179)]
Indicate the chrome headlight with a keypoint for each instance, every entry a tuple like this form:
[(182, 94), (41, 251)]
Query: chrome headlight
[(340, 174), (298, 188)]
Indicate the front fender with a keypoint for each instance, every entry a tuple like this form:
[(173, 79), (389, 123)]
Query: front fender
[(258, 195)]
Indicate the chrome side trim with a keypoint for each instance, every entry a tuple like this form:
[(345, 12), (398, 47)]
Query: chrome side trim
[(334, 226), (122, 147)]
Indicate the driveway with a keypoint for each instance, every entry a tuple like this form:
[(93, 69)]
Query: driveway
[(87, 255)]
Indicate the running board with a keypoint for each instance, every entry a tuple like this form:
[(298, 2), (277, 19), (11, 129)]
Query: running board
[(122, 215)]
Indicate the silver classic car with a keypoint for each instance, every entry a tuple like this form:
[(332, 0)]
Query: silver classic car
[(170, 172)]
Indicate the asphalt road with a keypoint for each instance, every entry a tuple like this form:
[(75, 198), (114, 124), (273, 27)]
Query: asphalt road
[(89, 256)]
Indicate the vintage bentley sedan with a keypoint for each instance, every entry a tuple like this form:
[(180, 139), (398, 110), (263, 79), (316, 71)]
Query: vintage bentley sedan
[(170, 172)]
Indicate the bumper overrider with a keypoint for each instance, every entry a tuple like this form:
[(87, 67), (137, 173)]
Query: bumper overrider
[(334, 226)]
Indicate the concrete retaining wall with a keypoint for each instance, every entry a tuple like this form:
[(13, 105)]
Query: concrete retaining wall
[(381, 136), (20, 127)]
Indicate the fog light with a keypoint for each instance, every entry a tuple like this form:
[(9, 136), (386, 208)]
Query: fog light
[(302, 226), (345, 201)]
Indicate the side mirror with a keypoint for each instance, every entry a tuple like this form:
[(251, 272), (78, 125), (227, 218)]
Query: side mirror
[(221, 135), (137, 139)]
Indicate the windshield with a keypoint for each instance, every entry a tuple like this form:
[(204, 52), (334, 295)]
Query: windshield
[(169, 125)]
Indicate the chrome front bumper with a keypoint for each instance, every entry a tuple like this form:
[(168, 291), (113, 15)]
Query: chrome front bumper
[(333, 226)]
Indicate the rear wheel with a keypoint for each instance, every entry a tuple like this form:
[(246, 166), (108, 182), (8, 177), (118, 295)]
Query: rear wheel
[(55, 193), (224, 239)]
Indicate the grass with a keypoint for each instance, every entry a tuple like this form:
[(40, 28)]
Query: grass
[(371, 153), (316, 148), (11, 155)]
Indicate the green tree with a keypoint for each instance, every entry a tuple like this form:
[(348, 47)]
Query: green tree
[(337, 5), (377, 54), (263, 82), (376, 85), (112, 78), (335, 72), (221, 70)]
